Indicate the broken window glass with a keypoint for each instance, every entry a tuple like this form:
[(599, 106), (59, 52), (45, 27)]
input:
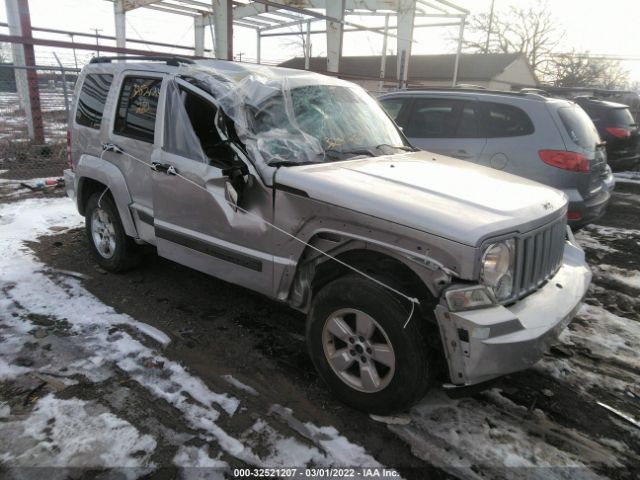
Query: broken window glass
[(296, 117)]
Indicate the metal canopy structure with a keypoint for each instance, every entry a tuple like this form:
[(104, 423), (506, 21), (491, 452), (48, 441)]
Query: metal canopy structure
[(270, 18), (266, 17)]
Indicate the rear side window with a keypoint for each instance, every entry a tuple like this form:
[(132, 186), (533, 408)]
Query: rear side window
[(579, 127), (137, 108), (393, 107), (442, 118), (506, 121), (92, 99)]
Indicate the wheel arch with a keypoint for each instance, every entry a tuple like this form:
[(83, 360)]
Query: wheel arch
[(315, 270), (96, 175)]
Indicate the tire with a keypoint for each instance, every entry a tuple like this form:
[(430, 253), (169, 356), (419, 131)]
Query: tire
[(119, 253), (403, 377)]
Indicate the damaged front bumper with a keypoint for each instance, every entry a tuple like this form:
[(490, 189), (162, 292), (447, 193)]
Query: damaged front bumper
[(489, 342)]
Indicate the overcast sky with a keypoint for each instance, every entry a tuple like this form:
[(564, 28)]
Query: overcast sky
[(600, 27)]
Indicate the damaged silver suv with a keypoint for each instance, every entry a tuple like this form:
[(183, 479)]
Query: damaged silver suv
[(300, 187)]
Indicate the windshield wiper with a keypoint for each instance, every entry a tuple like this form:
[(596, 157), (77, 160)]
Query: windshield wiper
[(289, 163), (355, 151), (399, 147)]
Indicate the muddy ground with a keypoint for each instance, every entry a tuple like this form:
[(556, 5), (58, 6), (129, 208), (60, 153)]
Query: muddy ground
[(218, 329)]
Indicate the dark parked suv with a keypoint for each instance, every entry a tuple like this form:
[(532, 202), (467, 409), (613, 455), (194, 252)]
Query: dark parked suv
[(548, 140), (617, 128)]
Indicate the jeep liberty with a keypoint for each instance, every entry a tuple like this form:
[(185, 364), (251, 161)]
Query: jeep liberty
[(298, 186)]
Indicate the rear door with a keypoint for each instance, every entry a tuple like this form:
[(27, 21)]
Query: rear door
[(508, 130), (133, 128), (194, 223), (448, 126)]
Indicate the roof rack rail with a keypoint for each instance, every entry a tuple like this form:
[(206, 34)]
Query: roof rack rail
[(469, 86), (171, 60), (535, 91), (481, 90)]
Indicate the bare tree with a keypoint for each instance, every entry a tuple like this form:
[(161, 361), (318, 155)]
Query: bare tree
[(299, 40), (530, 30), (581, 70)]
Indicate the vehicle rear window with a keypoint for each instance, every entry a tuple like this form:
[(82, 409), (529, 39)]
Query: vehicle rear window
[(579, 127), (92, 99), (620, 117), (506, 121), (137, 107)]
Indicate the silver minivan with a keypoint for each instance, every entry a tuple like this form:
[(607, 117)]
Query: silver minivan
[(552, 141), (298, 186)]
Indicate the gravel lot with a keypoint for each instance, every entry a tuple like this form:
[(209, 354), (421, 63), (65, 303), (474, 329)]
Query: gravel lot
[(186, 371)]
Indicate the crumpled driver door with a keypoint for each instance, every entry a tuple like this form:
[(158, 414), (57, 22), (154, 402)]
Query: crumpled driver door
[(196, 223)]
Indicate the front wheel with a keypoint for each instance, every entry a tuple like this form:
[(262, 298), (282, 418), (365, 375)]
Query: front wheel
[(358, 344)]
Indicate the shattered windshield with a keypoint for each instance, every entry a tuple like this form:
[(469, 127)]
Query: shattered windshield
[(335, 122)]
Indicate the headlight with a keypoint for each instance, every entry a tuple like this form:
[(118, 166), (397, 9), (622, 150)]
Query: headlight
[(496, 270)]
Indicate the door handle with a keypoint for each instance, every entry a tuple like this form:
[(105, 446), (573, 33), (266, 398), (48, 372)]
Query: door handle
[(112, 147), (163, 168)]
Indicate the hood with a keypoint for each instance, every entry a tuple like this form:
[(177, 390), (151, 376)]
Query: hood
[(443, 196)]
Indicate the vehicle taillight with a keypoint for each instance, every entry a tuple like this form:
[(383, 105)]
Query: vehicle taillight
[(619, 132), (566, 160), (69, 159), (574, 216)]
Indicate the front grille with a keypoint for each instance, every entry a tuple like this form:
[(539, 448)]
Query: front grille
[(538, 256)]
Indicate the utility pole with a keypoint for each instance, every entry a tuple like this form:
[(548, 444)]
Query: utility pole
[(97, 30), (486, 46)]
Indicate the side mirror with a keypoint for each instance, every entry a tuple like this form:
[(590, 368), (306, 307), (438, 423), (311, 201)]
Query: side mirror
[(231, 195)]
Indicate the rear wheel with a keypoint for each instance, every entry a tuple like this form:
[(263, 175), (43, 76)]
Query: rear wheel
[(111, 247), (358, 344)]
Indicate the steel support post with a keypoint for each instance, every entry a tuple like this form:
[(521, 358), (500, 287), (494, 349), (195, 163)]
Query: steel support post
[(199, 23), (456, 66), (335, 9), (383, 58), (258, 46), (120, 17), (223, 26), (19, 20), (406, 16)]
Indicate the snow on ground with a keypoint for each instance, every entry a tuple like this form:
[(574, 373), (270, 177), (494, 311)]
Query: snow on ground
[(239, 385), (628, 277), (627, 177), (72, 433), (586, 239), (101, 348), (474, 439), (613, 232), (479, 437), (604, 336)]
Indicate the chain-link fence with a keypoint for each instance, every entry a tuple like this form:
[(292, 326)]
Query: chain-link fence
[(20, 157)]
